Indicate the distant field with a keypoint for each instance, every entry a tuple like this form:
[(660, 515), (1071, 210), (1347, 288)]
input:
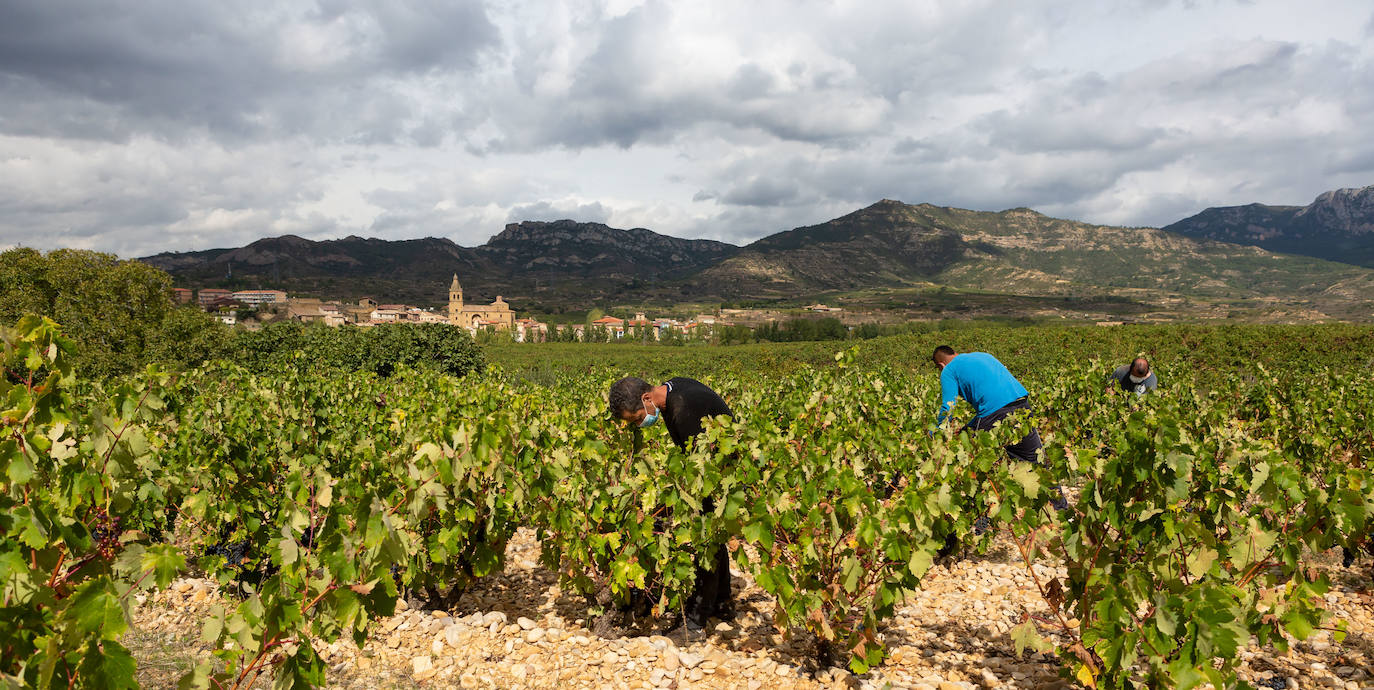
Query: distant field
[(1027, 350)]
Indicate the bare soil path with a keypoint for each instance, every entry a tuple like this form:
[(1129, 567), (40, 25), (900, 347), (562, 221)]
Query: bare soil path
[(519, 630)]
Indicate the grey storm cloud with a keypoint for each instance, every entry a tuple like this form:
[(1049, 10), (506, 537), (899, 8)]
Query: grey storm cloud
[(762, 191), (142, 126), (240, 70), (628, 90)]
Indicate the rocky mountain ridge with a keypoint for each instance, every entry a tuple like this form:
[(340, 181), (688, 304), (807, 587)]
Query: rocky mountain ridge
[(888, 246), (565, 245), (583, 261), (891, 245), (1338, 226)]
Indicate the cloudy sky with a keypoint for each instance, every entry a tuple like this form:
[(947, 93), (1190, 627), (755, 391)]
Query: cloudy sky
[(137, 126)]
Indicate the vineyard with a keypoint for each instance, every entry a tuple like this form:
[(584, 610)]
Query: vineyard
[(319, 498)]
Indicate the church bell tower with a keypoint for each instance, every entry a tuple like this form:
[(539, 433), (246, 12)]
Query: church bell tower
[(455, 300)]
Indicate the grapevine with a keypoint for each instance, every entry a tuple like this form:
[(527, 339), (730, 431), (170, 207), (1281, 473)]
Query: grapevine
[(322, 498)]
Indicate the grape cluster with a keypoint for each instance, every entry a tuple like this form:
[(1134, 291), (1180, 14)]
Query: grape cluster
[(233, 552), (242, 562), (982, 525), (1274, 682), (104, 533)]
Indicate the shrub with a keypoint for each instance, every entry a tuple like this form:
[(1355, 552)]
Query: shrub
[(379, 349)]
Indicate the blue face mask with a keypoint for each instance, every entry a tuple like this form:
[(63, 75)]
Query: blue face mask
[(650, 419)]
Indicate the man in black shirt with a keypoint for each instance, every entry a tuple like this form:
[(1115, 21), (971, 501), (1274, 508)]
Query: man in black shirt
[(681, 403)]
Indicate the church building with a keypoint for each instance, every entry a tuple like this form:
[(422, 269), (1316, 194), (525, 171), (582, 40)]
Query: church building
[(476, 317)]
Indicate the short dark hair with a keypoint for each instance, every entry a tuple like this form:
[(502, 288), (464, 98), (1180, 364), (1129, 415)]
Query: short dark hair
[(1140, 366), (626, 395), (942, 350)]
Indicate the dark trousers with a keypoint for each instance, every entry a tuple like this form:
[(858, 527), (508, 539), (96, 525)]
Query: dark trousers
[(1026, 448), (711, 595)]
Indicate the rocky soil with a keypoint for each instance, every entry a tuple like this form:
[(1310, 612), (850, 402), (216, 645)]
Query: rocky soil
[(518, 630)]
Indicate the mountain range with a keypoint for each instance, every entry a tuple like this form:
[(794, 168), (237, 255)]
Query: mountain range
[(1338, 225), (890, 255), (561, 262)]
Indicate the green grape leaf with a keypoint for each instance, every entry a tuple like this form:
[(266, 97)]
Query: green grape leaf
[(1024, 636), (1200, 560), (164, 561), (1024, 473), (107, 664), (920, 562)]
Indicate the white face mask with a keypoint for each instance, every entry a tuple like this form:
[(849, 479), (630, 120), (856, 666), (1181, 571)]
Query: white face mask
[(1138, 379)]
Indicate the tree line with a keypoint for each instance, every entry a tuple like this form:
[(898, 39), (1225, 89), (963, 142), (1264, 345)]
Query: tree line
[(121, 317)]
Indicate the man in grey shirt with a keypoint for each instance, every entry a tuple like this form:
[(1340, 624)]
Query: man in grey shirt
[(1136, 377)]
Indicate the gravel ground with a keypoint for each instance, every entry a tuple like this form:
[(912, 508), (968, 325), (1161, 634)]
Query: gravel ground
[(518, 630)]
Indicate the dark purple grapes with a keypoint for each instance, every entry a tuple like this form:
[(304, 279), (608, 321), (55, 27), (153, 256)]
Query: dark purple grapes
[(233, 552), (104, 533), (1275, 682), (981, 526)]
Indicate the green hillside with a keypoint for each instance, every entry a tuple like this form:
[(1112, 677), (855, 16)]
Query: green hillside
[(911, 248)]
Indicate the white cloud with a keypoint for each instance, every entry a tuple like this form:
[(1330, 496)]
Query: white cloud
[(189, 125)]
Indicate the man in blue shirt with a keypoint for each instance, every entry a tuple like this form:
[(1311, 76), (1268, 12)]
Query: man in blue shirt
[(994, 393)]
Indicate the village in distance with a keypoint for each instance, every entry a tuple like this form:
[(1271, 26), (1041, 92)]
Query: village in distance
[(252, 309)]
